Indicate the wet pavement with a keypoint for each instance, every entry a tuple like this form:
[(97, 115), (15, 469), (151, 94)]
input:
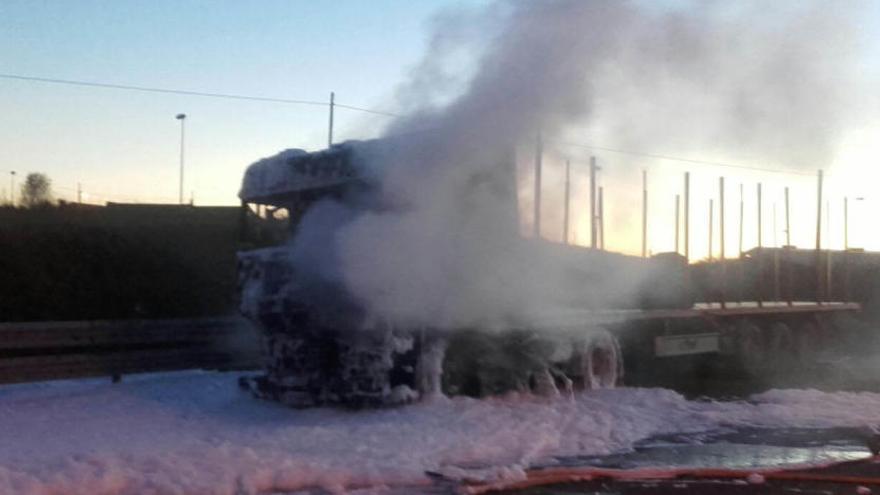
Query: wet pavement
[(745, 448), (845, 464), (811, 461)]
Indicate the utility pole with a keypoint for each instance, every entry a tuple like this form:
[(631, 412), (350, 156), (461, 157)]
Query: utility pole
[(644, 213), (79, 193), (539, 152), (182, 118), (332, 108), (593, 169), (12, 187), (565, 220)]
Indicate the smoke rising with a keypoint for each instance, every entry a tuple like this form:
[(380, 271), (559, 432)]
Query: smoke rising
[(438, 244)]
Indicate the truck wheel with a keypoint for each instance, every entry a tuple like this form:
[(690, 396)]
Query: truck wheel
[(751, 349), (601, 361), (807, 341), (781, 348), (544, 384), (429, 368)]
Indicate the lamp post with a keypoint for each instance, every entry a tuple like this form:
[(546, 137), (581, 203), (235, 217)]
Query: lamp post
[(182, 118)]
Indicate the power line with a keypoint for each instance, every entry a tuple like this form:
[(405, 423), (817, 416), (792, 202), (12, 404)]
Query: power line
[(374, 112), (148, 89), (367, 110), (158, 90), (688, 160), (652, 155)]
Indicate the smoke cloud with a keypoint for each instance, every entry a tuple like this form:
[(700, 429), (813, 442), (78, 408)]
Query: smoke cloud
[(438, 244)]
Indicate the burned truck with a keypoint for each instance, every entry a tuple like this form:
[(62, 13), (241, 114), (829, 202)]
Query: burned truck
[(324, 345), (321, 346)]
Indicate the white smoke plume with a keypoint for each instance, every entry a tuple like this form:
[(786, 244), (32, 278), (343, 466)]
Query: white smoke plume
[(439, 246)]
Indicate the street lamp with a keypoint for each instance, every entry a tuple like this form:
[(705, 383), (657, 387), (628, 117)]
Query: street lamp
[(182, 118), (846, 220)]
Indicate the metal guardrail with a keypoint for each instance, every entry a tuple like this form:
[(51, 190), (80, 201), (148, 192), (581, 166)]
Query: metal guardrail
[(35, 351)]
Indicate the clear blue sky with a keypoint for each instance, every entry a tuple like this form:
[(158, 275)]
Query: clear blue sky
[(123, 145)]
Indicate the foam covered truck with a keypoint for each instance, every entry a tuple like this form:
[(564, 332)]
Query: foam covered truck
[(321, 346)]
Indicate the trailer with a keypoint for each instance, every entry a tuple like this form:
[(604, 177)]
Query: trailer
[(320, 347)]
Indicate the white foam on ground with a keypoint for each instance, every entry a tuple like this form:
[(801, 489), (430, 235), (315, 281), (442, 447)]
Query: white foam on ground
[(198, 433)]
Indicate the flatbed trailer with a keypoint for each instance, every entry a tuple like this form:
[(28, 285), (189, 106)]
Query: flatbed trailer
[(599, 335), (640, 347), (683, 348), (703, 328), (677, 338)]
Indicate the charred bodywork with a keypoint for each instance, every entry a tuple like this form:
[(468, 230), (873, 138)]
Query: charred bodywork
[(329, 353)]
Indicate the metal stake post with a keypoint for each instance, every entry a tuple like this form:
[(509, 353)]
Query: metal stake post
[(539, 152)]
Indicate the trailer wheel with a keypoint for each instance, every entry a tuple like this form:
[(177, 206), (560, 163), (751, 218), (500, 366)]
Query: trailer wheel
[(601, 362), (751, 349), (781, 348), (807, 342)]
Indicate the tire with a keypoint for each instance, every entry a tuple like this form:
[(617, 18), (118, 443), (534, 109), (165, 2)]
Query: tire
[(781, 348), (807, 342), (429, 367), (544, 383), (750, 348), (600, 362)]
